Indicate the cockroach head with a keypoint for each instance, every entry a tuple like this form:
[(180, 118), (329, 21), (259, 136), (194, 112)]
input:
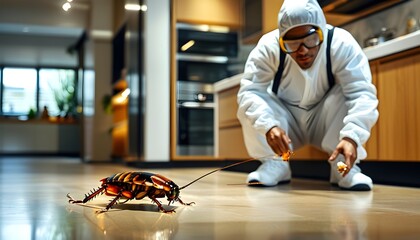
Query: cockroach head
[(173, 193)]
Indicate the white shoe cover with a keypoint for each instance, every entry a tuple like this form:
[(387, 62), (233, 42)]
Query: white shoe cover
[(271, 173), (355, 180)]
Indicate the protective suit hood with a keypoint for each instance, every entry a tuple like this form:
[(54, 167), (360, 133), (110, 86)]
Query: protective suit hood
[(295, 13)]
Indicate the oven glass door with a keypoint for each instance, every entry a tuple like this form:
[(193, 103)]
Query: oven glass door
[(208, 43), (195, 131), (203, 72)]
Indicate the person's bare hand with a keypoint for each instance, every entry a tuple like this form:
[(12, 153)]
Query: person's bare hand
[(348, 148), (278, 140)]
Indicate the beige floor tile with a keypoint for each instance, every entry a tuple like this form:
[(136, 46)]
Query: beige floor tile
[(33, 205)]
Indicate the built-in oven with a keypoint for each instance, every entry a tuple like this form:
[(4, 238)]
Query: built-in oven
[(195, 119), (202, 70), (203, 58)]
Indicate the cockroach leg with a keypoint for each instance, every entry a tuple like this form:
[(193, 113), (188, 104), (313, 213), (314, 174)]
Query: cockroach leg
[(160, 206), (186, 204), (72, 200), (112, 202)]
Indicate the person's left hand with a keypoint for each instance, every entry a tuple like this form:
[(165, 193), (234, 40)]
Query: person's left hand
[(348, 148)]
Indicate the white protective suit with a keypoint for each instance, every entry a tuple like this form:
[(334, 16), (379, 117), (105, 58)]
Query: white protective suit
[(303, 106)]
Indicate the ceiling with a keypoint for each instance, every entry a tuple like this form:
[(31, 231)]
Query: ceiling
[(28, 29), (43, 17), (39, 32)]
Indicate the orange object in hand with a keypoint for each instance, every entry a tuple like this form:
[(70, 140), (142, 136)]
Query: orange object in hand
[(341, 167), (286, 156)]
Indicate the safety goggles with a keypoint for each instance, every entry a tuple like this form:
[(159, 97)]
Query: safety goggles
[(312, 39)]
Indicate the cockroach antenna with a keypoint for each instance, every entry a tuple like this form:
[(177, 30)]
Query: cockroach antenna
[(285, 156), (219, 169)]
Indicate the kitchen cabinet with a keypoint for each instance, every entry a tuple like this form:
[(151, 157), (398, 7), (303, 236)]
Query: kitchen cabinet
[(218, 14), (39, 137), (371, 145), (119, 133), (206, 12), (212, 12), (229, 140), (260, 17), (399, 106)]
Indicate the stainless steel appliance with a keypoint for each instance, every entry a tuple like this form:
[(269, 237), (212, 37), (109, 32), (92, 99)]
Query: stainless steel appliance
[(195, 119), (203, 57)]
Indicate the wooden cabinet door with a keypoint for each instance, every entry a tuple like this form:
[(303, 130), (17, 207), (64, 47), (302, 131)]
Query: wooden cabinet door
[(269, 17), (309, 153), (372, 144), (230, 141), (270, 14), (399, 109), (213, 12)]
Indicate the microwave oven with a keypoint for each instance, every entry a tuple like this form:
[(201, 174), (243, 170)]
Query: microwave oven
[(207, 41)]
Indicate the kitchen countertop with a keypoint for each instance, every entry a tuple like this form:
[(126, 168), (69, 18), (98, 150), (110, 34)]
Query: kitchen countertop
[(227, 83), (399, 44)]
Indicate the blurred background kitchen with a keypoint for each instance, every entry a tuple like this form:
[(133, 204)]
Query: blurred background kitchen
[(155, 81)]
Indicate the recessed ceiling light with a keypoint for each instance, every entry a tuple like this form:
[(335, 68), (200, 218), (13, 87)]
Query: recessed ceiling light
[(135, 7), (66, 6), (132, 7), (143, 8)]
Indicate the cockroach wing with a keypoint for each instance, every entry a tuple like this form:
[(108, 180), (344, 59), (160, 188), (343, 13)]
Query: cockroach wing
[(160, 182)]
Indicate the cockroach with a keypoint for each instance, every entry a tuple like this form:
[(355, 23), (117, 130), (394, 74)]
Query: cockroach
[(137, 185)]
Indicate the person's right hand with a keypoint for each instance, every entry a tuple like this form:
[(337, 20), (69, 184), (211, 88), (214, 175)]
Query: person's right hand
[(278, 140)]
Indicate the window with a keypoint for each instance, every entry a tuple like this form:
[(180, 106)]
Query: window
[(26, 89), (19, 91), (57, 91), (89, 94)]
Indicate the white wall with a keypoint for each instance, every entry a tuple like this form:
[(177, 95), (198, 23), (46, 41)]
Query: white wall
[(23, 50), (97, 138), (157, 80)]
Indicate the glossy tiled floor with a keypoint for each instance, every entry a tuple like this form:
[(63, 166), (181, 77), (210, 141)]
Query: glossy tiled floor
[(33, 205)]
